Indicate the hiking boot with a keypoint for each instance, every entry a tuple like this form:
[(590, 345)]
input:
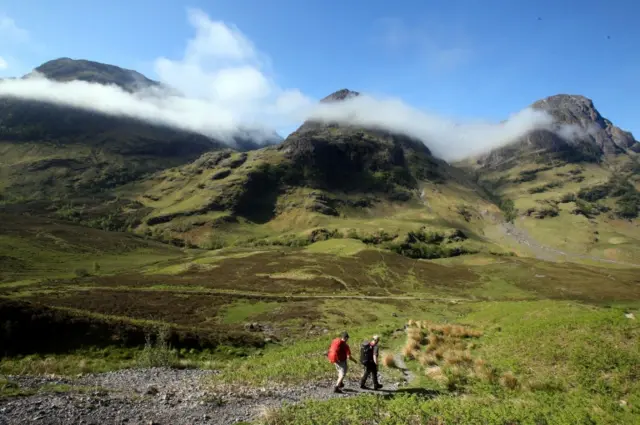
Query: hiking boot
[(363, 387), (337, 390), (377, 387)]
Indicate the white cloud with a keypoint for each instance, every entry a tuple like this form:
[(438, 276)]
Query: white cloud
[(447, 138), (10, 31), (225, 88), (3, 63)]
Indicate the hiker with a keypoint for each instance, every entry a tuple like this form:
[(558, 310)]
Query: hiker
[(369, 359), (339, 353)]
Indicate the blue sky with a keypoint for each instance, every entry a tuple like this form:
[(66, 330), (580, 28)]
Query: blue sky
[(461, 58)]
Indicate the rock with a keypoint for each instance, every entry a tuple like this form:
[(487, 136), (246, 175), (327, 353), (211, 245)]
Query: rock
[(630, 316), (151, 391), (394, 314)]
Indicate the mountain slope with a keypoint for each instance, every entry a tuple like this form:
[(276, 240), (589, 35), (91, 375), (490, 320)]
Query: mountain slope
[(340, 179), (576, 194), (55, 152)]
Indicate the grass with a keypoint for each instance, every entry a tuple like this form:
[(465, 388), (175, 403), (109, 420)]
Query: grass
[(555, 363), (42, 248), (341, 247)]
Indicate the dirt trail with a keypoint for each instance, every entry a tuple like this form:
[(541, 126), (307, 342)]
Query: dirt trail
[(157, 396), (253, 295)]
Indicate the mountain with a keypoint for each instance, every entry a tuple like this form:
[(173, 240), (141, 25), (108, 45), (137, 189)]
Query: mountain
[(573, 190), (324, 175), (53, 152), (583, 136), (66, 69)]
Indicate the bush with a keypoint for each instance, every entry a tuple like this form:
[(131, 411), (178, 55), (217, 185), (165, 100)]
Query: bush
[(546, 187), (628, 206), (158, 353), (586, 209), (81, 272), (544, 211), (508, 209), (567, 197), (595, 193), (424, 236)]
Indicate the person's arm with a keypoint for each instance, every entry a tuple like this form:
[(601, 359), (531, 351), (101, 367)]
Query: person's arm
[(375, 354)]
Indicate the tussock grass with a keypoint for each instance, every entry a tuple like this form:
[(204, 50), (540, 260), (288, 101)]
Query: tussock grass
[(508, 380), (389, 360), (444, 351)]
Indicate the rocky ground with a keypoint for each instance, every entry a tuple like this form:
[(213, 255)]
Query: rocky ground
[(152, 396)]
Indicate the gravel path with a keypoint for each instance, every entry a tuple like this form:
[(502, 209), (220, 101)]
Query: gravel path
[(154, 396)]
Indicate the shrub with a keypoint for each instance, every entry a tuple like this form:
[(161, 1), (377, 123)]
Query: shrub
[(158, 353), (508, 380), (81, 272), (508, 209), (546, 187), (628, 205), (567, 197), (595, 193), (389, 360)]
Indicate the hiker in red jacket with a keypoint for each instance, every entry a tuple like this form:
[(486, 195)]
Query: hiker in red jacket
[(339, 352)]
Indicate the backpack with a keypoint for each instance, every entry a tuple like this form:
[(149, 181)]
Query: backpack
[(333, 350), (366, 352)]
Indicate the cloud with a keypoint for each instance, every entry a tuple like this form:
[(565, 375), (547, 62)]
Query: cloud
[(447, 138), (221, 80), (3, 63), (220, 86), (10, 31)]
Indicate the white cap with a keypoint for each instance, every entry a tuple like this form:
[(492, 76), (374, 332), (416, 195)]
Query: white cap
[(376, 337)]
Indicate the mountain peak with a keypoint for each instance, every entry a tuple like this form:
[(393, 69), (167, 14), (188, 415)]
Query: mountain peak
[(67, 69), (340, 95), (580, 110)]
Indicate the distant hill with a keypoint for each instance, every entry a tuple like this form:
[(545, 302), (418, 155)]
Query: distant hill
[(66, 69), (57, 152)]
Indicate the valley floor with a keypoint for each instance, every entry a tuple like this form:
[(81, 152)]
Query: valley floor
[(168, 336)]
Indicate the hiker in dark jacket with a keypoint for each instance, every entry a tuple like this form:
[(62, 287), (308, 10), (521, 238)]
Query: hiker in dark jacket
[(369, 359)]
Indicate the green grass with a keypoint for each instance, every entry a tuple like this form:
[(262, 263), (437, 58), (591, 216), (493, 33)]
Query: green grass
[(575, 364), (40, 248), (337, 247)]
